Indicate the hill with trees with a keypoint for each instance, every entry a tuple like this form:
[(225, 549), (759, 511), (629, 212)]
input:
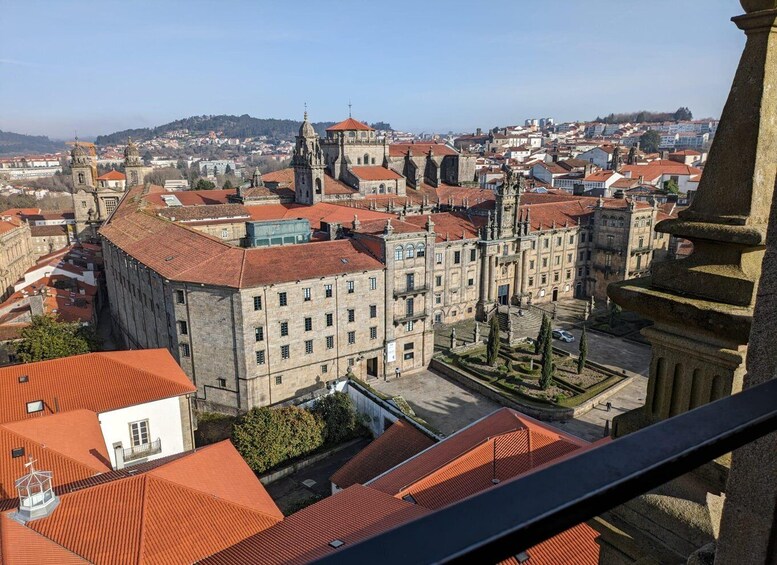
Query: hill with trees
[(644, 116), (20, 144)]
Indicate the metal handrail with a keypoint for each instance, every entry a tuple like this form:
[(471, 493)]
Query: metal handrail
[(143, 450)]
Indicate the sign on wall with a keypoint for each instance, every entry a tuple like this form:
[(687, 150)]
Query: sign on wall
[(391, 351)]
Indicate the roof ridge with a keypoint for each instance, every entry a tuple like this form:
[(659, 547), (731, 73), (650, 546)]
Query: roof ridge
[(37, 533), (136, 368), (142, 527), (42, 446)]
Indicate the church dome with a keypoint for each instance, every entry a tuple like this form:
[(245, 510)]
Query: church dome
[(131, 150), (78, 151), (306, 130)]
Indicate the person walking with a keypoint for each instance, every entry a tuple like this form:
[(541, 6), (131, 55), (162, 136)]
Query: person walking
[(397, 372)]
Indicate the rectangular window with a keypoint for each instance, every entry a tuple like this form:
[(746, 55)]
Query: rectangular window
[(544, 279), (409, 356), (330, 342), (544, 262), (580, 271), (409, 305), (278, 379), (438, 298), (470, 282), (349, 286), (456, 257), (558, 259), (582, 255), (259, 333), (571, 239), (374, 332), (409, 346), (373, 283), (409, 326), (558, 240), (34, 406), (546, 242), (308, 346), (438, 280), (555, 276), (351, 361), (410, 281), (531, 264), (582, 237), (308, 324), (473, 254), (329, 319), (328, 291), (285, 352), (373, 311), (438, 258), (324, 368), (260, 357), (588, 255), (257, 302), (569, 274), (282, 299), (139, 433), (284, 329), (531, 281), (351, 315), (183, 328), (351, 337), (222, 383), (306, 294), (569, 257), (180, 297), (185, 351)]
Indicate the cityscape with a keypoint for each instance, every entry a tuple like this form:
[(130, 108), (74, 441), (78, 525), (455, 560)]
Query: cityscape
[(384, 333)]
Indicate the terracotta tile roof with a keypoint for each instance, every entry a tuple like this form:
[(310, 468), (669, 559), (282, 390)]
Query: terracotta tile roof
[(238, 212), (112, 175), (349, 516), (686, 152), (191, 197), (282, 176), (48, 231), (398, 443), (375, 173), (166, 515), (99, 382), (20, 212), (401, 149), (10, 224), (450, 226), (20, 545), (350, 124), (654, 169), (316, 214)]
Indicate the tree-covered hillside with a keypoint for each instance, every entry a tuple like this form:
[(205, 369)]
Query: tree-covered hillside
[(20, 144)]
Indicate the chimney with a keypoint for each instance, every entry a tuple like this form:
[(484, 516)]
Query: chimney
[(36, 305), (118, 452)]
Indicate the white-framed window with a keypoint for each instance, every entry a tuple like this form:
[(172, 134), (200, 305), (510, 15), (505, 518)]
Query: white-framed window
[(409, 325), (139, 434), (420, 250), (410, 252), (224, 233), (350, 286), (34, 406), (373, 283), (438, 258), (399, 253), (306, 294)]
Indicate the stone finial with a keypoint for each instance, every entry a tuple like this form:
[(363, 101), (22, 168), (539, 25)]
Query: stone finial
[(751, 6), (600, 202), (429, 224), (389, 229), (356, 223)]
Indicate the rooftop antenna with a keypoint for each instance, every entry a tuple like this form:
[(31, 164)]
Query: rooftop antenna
[(349, 108)]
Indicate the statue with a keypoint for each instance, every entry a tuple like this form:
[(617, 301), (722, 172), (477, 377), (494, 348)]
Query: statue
[(453, 338), (555, 310), (510, 329), (477, 332)]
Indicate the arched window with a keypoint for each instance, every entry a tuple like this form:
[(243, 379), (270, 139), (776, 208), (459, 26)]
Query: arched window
[(399, 252), (318, 186), (358, 160), (382, 188), (373, 160), (421, 250), (80, 178), (620, 223), (410, 252), (366, 159)]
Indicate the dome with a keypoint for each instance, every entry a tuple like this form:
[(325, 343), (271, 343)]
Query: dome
[(78, 151), (131, 150), (306, 130)]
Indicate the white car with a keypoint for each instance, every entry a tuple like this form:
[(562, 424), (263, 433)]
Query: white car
[(563, 336)]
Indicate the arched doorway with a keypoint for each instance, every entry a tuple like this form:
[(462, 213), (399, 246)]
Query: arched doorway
[(555, 294), (579, 290)]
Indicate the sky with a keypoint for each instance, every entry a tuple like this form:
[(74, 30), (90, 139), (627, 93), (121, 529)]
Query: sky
[(94, 67)]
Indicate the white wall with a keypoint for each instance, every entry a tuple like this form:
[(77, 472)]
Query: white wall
[(164, 422)]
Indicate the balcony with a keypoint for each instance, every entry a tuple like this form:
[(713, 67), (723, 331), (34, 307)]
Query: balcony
[(143, 450), (550, 503), (642, 249), (412, 291), (411, 317), (615, 250)]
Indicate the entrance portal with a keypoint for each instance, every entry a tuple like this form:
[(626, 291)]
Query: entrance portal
[(372, 367), (555, 294), (503, 294)]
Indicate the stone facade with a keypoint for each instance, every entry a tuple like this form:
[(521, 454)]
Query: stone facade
[(16, 253)]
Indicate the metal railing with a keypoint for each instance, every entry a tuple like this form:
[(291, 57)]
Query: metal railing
[(526, 511), (421, 314), (143, 450), (409, 291)]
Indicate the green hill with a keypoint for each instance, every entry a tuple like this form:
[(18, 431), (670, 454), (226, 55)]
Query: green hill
[(20, 144)]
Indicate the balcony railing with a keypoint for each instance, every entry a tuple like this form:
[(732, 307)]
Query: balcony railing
[(643, 249), (526, 511), (143, 450), (410, 291), (614, 249), (410, 317)]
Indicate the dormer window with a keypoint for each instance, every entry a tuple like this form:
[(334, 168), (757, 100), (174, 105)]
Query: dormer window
[(34, 406)]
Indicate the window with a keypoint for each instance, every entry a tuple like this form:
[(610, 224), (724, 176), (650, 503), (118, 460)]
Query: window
[(410, 281), (399, 253), (409, 304), (349, 286), (544, 279), (374, 332), (410, 252), (351, 315), (438, 298), (409, 346), (610, 240), (308, 324), (34, 406), (278, 379), (180, 297), (558, 240), (351, 338), (284, 329), (373, 283), (324, 368), (582, 237), (456, 257), (351, 361), (588, 255), (224, 233), (330, 342), (544, 262), (183, 328), (306, 294), (569, 257), (557, 260), (580, 271), (222, 383), (473, 254), (373, 311), (641, 242), (139, 433), (257, 302), (408, 356), (582, 255), (420, 250), (569, 274), (409, 326), (308, 346), (531, 281), (329, 319), (546, 243), (185, 351), (285, 352), (327, 291), (282, 299), (260, 357), (571, 239), (259, 333), (438, 258), (470, 282), (438, 280), (555, 276)]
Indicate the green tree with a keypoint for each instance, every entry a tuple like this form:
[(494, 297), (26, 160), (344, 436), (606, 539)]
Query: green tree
[(48, 338), (583, 352), (227, 184), (671, 186), (204, 184), (228, 170), (147, 157), (650, 141), (266, 437), (546, 377), (615, 314), (338, 414), (542, 335), (683, 114), (492, 348)]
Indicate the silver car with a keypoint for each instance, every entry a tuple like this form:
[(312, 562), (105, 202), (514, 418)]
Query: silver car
[(563, 335)]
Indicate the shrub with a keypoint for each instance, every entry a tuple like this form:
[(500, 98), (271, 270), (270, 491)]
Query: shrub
[(339, 416), (266, 437)]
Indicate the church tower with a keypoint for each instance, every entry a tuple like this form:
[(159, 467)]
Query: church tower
[(508, 200), (308, 164), (134, 169), (82, 168)]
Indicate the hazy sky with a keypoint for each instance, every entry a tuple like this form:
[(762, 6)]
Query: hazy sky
[(422, 65)]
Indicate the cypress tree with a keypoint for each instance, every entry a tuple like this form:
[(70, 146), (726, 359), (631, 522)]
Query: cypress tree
[(546, 378), (540, 342), (493, 341), (583, 352)]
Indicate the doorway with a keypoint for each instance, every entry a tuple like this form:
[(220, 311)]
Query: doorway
[(372, 367), (555, 294), (503, 294)]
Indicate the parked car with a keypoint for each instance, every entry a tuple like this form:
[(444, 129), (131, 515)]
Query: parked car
[(563, 336)]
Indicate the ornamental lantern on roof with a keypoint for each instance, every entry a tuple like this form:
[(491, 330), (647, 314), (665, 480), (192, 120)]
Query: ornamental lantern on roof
[(36, 496)]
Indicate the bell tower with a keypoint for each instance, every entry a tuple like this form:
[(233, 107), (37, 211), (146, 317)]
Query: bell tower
[(308, 164), (508, 200), (134, 169), (81, 166)]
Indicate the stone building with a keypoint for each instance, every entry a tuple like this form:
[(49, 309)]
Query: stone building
[(16, 252)]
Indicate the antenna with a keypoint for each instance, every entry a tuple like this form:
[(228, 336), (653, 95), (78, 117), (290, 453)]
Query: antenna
[(30, 464), (349, 108)]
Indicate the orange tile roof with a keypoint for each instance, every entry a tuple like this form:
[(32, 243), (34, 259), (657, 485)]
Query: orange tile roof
[(282, 176), (99, 382), (449, 226), (348, 125), (398, 443), (375, 173), (654, 169), (112, 175), (401, 149), (20, 545), (166, 515), (191, 197)]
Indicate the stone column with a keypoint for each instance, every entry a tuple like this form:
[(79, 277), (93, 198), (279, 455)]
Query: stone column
[(492, 278), (518, 274)]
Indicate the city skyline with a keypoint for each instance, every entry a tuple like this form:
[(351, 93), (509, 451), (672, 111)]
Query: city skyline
[(456, 73)]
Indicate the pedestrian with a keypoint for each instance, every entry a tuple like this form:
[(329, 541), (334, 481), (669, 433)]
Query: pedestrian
[(397, 372)]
